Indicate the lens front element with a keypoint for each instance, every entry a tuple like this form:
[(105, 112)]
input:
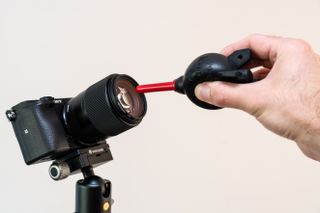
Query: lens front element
[(128, 99)]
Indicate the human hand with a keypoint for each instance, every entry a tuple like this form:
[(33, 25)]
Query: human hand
[(287, 98)]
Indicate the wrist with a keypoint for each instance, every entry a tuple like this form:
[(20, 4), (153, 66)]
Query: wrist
[(309, 139)]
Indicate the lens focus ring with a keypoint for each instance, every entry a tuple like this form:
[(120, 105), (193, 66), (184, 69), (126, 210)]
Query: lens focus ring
[(98, 113)]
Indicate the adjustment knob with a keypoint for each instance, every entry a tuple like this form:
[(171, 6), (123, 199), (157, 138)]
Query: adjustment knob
[(59, 170)]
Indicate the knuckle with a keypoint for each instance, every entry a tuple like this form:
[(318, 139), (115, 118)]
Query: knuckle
[(228, 50), (302, 43), (256, 35), (298, 45), (259, 36)]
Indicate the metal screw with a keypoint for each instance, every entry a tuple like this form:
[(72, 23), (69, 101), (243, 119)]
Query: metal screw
[(11, 115)]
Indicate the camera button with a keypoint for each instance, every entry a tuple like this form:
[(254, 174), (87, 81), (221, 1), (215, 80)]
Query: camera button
[(46, 98)]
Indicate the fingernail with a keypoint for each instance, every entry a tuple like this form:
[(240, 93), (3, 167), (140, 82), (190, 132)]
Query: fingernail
[(202, 92)]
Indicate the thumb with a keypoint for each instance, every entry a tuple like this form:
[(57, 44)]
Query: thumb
[(240, 96)]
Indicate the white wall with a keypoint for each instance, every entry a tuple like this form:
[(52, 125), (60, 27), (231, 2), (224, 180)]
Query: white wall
[(181, 158)]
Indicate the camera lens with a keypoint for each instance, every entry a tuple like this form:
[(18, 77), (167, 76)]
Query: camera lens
[(106, 108)]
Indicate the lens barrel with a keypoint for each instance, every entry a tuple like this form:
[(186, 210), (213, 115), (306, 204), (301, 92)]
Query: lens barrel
[(107, 108)]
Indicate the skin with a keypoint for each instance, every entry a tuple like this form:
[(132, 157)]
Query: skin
[(286, 100)]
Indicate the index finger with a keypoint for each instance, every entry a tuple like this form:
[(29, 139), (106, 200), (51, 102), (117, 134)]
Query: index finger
[(263, 47)]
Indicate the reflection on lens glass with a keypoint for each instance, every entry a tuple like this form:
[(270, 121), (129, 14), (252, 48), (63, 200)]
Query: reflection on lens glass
[(124, 99), (129, 100)]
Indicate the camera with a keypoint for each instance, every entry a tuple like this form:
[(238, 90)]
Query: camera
[(73, 131)]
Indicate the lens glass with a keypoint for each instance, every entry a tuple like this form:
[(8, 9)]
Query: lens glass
[(128, 99)]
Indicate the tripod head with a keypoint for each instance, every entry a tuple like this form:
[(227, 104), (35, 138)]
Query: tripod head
[(93, 194), (80, 160)]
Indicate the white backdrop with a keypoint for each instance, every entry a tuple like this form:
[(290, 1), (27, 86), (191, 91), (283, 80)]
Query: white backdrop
[(181, 158)]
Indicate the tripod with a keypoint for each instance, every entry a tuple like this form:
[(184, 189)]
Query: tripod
[(93, 194)]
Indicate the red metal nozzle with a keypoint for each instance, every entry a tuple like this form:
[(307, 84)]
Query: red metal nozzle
[(158, 87)]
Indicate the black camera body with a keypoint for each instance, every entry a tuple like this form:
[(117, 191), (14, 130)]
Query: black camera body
[(73, 131), (40, 128)]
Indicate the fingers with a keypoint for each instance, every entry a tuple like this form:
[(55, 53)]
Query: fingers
[(240, 96), (264, 47), (255, 62), (245, 97), (260, 73)]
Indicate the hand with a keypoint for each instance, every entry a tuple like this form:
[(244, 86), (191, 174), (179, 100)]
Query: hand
[(286, 100)]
